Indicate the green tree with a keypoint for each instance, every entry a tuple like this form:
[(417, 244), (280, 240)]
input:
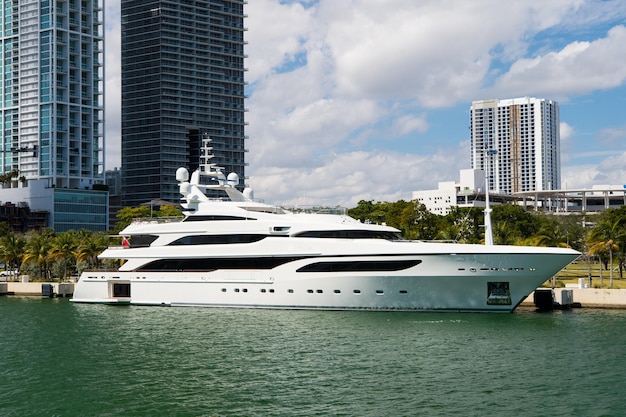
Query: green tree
[(37, 251), (362, 210), (604, 237), (4, 228), (504, 233), (463, 224), (12, 250), (90, 247), (127, 214), (63, 250), (518, 223), (419, 223), (551, 234)]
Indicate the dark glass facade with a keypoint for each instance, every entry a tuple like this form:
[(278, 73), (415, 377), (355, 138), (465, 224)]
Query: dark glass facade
[(182, 79)]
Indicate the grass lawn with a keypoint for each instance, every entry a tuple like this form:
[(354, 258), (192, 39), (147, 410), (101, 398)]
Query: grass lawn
[(571, 273)]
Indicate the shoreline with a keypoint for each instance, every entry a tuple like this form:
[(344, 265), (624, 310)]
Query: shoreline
[(587, 297)]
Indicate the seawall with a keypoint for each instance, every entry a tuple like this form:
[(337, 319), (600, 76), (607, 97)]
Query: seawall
[(589, 297), (60, 289)]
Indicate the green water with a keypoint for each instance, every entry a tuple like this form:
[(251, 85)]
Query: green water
[(63, 359)]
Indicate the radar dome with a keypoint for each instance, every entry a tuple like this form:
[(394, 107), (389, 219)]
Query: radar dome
[(233, 179), (182, 174)]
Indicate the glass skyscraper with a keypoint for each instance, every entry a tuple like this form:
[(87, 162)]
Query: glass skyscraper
[(517, 143), (52, 91), (182, 82), (51, 110)]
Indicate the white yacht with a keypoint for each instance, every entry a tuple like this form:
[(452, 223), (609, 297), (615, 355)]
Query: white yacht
[(242, 253)]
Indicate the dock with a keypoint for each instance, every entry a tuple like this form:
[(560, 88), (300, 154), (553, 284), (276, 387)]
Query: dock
[(47, 289), (588, 297)]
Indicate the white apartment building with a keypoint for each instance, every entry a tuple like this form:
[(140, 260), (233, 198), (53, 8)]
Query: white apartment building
[(469, 191), (517, 143)]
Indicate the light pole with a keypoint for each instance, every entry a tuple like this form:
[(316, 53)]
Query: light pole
[(488, 228)]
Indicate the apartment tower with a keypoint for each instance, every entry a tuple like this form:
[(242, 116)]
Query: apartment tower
[(182, 84), (517, 143), (51, 109)]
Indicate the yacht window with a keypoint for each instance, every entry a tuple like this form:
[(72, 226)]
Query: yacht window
[(359, 266), (351, 234), (141, 241), (217, 239), (211, 218), (212, 264)]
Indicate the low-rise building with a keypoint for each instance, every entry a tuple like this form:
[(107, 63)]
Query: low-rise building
[(469, 191)]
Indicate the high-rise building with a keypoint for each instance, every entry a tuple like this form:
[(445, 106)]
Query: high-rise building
[(182, 82), (51, 109), (517, 143)]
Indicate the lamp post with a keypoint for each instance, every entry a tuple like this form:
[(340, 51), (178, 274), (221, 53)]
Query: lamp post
[(488, 228)]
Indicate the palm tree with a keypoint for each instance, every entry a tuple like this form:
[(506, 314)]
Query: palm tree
[(12, 250), (604, 237), (90, 247), (505, 234), (63, 247), (37, 250), (552, 235)]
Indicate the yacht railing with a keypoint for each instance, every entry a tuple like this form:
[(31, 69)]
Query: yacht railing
[(318, 210), (158, 220)]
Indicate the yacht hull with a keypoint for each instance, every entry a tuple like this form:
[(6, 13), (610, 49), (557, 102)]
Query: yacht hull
[(476, 282)]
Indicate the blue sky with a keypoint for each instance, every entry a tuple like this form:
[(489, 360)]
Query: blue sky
[(369, 99)]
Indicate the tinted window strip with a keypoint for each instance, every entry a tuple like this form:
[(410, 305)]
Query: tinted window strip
[(211, 264), (359, 266), (217, 239), (350, 234), (205, 218)]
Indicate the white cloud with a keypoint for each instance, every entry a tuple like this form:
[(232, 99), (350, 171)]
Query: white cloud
[(578, 68), (367, 62), (279, 32), (349, 177), (335, 86), (611, 171)]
